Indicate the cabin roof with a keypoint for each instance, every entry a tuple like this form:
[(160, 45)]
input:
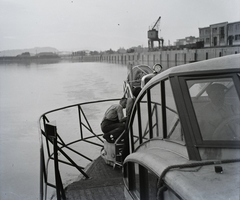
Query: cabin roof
[(205, 183), (156, 159), (197, 179), (221, 63)]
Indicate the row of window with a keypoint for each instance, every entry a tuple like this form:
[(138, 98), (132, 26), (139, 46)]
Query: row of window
[(222, 37), (237, 37), (230, 27)]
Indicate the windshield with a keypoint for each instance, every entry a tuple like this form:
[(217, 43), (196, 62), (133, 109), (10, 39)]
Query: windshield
[(217, 108)]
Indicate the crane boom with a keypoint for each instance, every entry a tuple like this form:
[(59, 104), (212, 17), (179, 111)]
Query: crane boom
[(156, 22)]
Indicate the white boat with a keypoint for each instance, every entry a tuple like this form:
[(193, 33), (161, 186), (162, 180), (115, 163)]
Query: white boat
[(183, 133)]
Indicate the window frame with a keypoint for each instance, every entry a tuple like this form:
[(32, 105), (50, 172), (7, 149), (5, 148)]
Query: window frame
[(137, 111), (143, 180), (198, 141)]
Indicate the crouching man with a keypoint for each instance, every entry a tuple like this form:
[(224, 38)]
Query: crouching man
[(113, 123)]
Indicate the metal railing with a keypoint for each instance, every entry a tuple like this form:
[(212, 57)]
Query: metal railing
[(74, 147)]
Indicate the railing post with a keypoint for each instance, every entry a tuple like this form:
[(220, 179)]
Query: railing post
[(51, 131), (41, 173), (80, 121), (59, 185)]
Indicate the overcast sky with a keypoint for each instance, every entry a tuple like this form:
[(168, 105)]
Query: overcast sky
[(103, 24)]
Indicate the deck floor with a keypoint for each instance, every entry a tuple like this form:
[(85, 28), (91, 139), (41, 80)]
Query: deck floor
[(104, 183)]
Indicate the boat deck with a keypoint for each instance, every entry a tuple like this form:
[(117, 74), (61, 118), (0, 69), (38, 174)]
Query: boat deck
[(104, 183)]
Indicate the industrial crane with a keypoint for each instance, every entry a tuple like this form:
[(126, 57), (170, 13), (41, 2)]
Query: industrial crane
[(153, 36)]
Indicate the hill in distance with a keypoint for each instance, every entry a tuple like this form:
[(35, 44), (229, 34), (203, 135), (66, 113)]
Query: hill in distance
[(32, 51)]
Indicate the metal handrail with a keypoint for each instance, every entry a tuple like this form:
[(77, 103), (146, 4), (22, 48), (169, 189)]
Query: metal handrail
[(58, 144)]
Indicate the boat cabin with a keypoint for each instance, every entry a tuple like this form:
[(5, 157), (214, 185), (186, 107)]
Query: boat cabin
[(184, 134)]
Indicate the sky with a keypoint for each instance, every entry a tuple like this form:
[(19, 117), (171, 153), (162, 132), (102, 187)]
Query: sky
[(73, 25)]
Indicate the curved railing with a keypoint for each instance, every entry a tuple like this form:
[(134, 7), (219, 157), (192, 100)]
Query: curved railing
[(73, 141)]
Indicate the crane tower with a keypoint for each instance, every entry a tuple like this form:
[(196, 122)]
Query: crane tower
[(153, 36)]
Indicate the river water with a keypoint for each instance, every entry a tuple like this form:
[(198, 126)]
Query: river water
[(29, 90)]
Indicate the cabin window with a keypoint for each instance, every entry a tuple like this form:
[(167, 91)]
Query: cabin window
[(156, 111), (167, 60), (137, 181), (129, 175), (143, 182), (149, 108), (140, 124), (217, 107), (175, 59), (135, 130), (144, 119), (152, 185), (174, 131)]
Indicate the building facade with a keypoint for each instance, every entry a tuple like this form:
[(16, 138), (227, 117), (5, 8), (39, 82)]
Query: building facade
[(221, 34), (234, 33)]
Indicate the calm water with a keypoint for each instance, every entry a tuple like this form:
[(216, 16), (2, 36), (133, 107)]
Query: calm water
[(27, 91)]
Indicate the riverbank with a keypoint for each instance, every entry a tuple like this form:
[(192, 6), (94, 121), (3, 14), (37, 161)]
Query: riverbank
[(167, 58)]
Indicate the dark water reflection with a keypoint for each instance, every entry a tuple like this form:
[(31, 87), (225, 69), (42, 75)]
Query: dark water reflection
[(30, 89)]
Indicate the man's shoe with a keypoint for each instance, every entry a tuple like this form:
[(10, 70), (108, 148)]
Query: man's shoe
[(109, 139)]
